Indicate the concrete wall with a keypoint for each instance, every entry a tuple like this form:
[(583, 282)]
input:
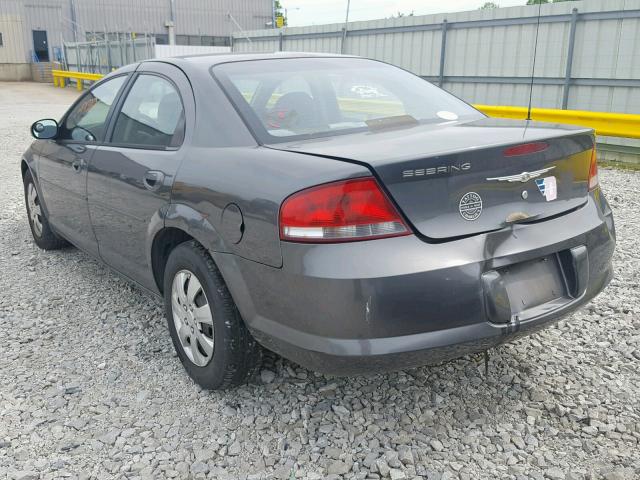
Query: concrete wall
[(15, 72), (12, 49)]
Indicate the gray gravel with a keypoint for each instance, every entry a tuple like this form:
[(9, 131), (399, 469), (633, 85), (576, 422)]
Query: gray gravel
[(90, 387)]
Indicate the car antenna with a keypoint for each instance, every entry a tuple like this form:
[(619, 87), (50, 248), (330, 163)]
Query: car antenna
[(535, 51)]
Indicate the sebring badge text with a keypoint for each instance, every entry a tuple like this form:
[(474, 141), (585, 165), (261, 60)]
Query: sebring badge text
[(423, 172)]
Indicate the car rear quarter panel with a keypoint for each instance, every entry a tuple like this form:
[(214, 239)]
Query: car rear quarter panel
[(225, 166), (256, 180)]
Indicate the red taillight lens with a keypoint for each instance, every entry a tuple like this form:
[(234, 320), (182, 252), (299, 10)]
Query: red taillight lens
[(525, 149), (593, 171), (340, 212)]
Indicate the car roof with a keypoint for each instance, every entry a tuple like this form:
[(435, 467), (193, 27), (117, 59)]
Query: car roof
[(210, 59)]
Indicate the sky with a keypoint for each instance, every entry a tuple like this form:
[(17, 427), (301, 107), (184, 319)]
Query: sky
[(318, 12)]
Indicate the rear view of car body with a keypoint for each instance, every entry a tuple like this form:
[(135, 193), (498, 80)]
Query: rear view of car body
[(392, 303), (401, 302), (455, 256)]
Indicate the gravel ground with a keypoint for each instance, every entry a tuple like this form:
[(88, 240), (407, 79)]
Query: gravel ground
[(90, 387)]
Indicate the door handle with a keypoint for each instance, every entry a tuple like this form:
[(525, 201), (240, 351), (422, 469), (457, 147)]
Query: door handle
[(77, 165), (78, 148), (153, 180)]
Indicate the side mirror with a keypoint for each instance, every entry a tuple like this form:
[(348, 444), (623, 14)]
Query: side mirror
[(44, 129)]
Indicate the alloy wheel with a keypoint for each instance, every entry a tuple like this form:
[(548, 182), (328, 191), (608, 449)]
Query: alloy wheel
[(192, 317), (34, 210)]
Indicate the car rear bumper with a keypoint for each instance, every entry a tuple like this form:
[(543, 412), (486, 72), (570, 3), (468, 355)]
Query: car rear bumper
[(399, 303)]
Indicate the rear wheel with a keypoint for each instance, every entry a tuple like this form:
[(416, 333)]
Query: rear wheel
[(209, 336), (44, 237)]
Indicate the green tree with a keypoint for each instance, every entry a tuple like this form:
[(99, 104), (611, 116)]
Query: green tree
[(489, 5), (279, 12)]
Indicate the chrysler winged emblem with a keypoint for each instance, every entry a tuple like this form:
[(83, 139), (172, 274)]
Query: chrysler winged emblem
[(522, 177)]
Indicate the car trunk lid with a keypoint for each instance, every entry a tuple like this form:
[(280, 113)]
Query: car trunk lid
[(461, 179)]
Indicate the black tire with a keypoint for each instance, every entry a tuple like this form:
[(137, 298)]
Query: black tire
[(44, 237), (236, 355)]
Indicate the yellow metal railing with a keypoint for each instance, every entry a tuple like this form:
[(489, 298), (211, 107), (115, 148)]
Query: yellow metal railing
[(60, 76), (606, 124)]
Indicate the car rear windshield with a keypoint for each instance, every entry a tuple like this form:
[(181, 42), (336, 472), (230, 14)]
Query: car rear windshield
[(297, 98)]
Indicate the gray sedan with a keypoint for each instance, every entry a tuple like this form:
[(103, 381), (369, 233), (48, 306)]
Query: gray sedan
[(272, 204)]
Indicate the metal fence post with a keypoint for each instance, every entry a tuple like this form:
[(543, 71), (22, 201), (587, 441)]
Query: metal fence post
[(109, 62), (80, 58), (122, 58), (443, 52), (567, 75), (66, 61), (280, 40)]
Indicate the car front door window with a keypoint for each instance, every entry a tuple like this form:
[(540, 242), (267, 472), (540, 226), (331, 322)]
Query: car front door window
[(87, 121)]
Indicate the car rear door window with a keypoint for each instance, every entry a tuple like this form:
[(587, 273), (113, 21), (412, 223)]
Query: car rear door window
[(152, 115), (87, 121)]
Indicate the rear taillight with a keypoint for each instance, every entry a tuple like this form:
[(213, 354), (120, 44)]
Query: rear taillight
[(341, 211), (593, 171)]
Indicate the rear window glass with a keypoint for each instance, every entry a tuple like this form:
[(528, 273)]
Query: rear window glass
[(286, 99)]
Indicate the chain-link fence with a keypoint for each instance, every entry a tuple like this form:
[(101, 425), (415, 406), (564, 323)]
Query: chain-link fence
[(105, 55)]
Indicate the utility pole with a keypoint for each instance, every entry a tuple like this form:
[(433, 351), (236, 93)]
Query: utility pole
[(273, 14), (74, 26), (344, 30), (171, 24)]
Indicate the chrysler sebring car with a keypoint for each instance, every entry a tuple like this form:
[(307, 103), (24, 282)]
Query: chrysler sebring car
[(271, 207)]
